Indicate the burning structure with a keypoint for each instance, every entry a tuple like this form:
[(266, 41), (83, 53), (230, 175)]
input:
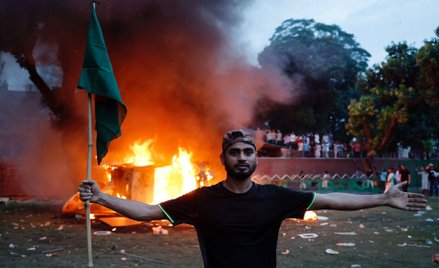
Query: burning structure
[(140, 177)]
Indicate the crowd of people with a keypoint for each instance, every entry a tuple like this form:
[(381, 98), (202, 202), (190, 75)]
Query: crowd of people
[(325, 146), (311, 144), (392, 176)]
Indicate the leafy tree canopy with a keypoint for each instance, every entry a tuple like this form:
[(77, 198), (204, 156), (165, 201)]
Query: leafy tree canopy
[(323, 63), (399, 101)]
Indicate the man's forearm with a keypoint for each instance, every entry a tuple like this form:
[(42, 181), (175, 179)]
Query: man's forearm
[(344, 201), (130, 208)]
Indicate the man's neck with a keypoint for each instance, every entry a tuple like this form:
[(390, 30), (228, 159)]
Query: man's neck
[(237, 186)]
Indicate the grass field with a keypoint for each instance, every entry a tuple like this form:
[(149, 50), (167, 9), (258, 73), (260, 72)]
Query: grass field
[(35, 234)]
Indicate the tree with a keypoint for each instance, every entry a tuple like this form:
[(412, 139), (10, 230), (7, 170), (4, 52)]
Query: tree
[(397, 99), (323, 63)]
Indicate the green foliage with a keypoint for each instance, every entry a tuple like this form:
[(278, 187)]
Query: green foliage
[(323, 62), (399, 99)]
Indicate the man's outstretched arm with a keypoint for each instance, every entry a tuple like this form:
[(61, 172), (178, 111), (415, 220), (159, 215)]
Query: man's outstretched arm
[(89, 190), (393, 198)]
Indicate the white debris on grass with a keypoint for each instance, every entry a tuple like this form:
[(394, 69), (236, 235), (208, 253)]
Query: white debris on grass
[(343, 244), (102, 233), (331, 251), (286, 252), (345, 233), (308, 235)]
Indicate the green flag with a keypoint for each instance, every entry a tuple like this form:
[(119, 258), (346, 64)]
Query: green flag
[(97, 78)]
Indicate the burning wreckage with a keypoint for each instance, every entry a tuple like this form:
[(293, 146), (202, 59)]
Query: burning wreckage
[(142, 179)]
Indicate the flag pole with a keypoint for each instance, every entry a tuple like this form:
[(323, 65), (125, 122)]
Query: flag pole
[(88, 177), (89, 162)]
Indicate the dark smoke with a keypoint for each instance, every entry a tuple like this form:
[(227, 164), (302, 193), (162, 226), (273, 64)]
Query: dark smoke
[(182, 78)]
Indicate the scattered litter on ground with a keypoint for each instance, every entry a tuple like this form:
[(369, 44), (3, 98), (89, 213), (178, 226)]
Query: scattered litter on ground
[(322, 218), (428, 207), (429, 220), (345, 233), (308, 235), (331, 251), (42, 238), (412, 245), (50, 251), (355, 266), (345, 244), (102, 233), (361, 226), (286, 252)]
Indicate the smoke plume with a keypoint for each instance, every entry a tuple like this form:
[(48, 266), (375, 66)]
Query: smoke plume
[(181, 76)]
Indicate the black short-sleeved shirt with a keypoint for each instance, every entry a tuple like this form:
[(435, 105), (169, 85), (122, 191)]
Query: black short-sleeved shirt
[(238, 230)]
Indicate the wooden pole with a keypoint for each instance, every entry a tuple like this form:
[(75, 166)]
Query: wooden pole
[(89, 162)]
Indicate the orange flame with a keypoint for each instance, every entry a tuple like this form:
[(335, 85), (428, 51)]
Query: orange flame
[(142, 154), (310, 216), (176, 179)]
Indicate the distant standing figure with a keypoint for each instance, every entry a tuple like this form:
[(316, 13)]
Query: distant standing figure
[(390, 179), (433, 179), (404, 176), (356, 148), (325, 179), (424, 180)]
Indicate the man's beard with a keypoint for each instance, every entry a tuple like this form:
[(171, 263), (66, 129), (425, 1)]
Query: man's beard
[(241, 175)]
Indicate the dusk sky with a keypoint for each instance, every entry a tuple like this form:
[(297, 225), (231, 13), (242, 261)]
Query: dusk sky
[(374, 23)]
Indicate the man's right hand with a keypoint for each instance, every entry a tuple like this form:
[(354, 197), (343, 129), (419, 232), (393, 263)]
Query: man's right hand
[(89, 191)]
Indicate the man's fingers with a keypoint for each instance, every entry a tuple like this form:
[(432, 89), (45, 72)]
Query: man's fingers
[(418, 200), (416, 205), (416, 195)]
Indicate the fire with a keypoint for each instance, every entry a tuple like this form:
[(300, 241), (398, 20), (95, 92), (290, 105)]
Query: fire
[(176, 179), (142, 154), (141, 179), (310, 216), (121, 196)]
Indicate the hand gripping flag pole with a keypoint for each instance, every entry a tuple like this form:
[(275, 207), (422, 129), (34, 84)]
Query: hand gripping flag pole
[(98, 79)]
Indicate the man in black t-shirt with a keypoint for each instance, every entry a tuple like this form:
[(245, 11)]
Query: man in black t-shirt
[(405, 176), (237, 221)]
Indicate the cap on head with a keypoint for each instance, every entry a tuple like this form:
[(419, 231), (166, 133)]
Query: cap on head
[(235, 136)]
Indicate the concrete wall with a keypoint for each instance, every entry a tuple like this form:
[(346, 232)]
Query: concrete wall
[(288, 166)]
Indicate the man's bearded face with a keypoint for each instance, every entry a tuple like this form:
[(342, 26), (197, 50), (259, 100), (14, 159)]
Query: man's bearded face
[(239, 160)]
